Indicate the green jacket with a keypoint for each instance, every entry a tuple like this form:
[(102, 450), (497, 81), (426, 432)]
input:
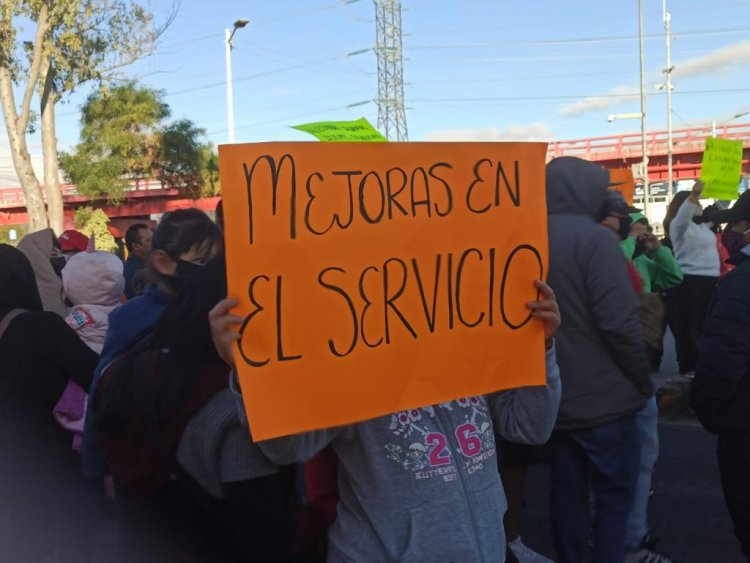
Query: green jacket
[(658, 269)]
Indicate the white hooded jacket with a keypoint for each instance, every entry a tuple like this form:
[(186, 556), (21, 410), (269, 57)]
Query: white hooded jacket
[(93, 283)]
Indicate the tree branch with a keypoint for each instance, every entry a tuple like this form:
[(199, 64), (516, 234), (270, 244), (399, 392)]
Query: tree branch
[(36, 62)]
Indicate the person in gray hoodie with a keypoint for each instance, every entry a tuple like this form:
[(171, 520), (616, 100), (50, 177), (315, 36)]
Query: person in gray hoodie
[(422, 485), (603, 367)]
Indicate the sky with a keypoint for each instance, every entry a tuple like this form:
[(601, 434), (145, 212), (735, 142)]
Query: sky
[(473, 69)]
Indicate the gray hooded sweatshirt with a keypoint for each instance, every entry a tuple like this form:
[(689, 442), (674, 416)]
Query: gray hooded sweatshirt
[(600, 346), (38, 248), (422, 485)]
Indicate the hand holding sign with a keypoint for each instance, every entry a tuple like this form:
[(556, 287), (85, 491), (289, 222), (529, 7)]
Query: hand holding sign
[(722, 168), (547, 311), (373, 278)]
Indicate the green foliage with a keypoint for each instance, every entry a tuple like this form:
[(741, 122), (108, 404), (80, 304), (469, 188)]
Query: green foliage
[(21, 231), (210, 170), (180, 157), (124, 136), (94, 222), (119, 139)]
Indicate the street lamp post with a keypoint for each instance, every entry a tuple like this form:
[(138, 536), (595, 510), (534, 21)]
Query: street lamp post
[(668, 72), (646, 195), (228, 35), (735, 116)]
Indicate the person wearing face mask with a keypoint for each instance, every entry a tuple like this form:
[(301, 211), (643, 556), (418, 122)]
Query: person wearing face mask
[(738, 219), (697, 254), (185, 240)]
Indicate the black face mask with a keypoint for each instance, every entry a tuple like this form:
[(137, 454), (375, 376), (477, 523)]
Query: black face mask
[(623, 229), (733, 241), (186, 272), (58, 263)]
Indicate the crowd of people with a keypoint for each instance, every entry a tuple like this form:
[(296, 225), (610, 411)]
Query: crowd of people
[(131, 365)]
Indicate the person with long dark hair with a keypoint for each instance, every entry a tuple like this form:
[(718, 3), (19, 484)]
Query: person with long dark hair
[(184, 240), (697, 254), (169, 429)]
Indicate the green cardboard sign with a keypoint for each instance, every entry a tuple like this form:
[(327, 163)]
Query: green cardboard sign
[(342, 131), (721, 168)]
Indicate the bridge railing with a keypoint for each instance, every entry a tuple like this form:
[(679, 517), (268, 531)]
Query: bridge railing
[(628, 145), (14, 197)]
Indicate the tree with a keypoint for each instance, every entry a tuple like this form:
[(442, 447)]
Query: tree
[(75, 41), (94, 222), (210, 170), (181, 157), (124, 137)]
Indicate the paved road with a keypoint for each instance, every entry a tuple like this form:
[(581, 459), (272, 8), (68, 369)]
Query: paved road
[(687, 511)]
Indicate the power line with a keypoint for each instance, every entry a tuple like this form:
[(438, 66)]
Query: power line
[(573, 97), (575, 41)]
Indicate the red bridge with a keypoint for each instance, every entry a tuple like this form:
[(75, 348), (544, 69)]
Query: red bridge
[(616, 151), (142, 199), (622, 151)]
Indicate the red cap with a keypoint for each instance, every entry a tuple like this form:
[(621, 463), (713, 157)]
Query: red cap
[(73, 241)]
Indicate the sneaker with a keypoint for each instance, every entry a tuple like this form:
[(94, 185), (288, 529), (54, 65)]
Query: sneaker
[(688, 375), (525, 554)]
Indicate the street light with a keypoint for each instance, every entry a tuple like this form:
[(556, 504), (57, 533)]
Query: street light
[(228, 35), (646, 195), (613, 116), (668, 86), (644, 170), (735, 116)]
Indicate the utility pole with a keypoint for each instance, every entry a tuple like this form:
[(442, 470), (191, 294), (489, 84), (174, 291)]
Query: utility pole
[(228, 35), (668, 72), (646, 190), (388, 47)]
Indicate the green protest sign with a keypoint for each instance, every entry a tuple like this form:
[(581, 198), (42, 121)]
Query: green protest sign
[(721, 168), (331, 131)]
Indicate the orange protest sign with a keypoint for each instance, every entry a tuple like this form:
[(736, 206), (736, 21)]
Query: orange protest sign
[(623, 177), (378, 277)]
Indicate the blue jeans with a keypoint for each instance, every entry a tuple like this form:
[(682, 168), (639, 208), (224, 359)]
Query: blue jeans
[(606, 460), (648, 429)]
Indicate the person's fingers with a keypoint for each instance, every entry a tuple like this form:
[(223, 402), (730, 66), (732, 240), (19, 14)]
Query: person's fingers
[(546, 315), (222, 308), (545, 290), (547, 305)]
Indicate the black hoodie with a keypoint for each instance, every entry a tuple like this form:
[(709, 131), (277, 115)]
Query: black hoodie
[(600, 347)]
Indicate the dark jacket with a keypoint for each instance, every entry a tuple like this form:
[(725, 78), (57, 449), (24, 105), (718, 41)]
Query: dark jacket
[(600, 346), (39, 352), (720, 393)]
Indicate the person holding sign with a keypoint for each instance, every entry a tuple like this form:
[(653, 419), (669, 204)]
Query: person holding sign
[(697, 254), (422, 484)]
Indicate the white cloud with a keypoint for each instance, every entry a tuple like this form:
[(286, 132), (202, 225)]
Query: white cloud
[(714, 62), (615, 96), (531, 132)]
